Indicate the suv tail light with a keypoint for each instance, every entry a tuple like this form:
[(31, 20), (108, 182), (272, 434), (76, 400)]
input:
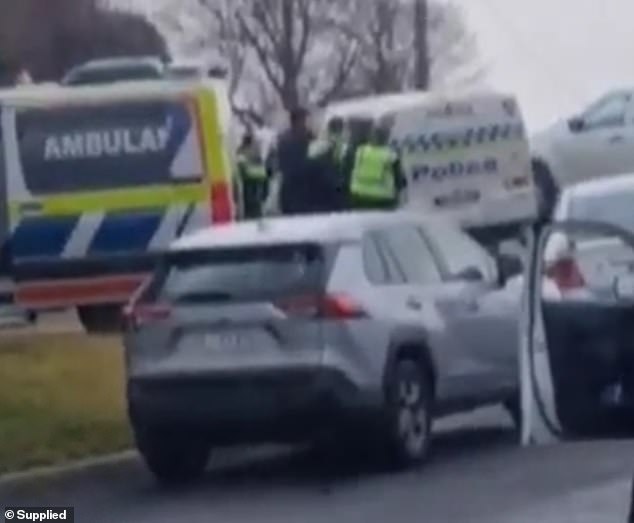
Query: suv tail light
[(339, 306), (329, 306), (566, 274), (137, 315)]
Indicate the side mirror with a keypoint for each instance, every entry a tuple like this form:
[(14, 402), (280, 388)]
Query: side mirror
[(576, 124), (624, 287), (469, 274), (509, 267)]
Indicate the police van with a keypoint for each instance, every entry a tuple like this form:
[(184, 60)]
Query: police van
[(98, 179), (464, 154)]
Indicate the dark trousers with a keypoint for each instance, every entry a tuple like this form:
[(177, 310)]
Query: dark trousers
[(254, 194), (371, 204), (296, 199)]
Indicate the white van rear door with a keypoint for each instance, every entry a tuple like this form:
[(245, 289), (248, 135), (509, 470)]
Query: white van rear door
[(459, 154)]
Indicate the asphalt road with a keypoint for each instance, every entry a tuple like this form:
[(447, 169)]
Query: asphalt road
[(476, 475)]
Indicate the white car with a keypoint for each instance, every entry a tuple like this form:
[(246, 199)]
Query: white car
[(597, 142), (588, 265), (585, 316)]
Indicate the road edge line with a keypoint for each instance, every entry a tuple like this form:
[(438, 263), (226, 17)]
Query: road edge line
[(75, 466)]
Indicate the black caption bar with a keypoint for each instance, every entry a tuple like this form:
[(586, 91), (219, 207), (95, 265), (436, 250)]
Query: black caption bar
[(62, 514)]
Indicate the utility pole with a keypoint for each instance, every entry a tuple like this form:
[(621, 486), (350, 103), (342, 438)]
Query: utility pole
[(421, 67)]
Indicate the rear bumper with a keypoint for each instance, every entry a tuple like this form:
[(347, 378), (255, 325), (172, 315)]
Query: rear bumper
[(52, 283), (262, 406), (46, 294)]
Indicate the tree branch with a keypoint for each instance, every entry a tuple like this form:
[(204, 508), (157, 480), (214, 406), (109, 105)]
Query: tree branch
[(341, 75), (248, 115), (306, 25), (263, 15), (263, 57)]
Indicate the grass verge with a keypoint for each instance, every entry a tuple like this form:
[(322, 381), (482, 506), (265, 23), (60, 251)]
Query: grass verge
[(61, 398)]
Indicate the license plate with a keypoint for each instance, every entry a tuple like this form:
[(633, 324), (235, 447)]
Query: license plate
[(457, 198), (228, 341)]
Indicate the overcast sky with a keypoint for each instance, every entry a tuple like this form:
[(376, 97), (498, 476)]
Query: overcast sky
[(556, 55)]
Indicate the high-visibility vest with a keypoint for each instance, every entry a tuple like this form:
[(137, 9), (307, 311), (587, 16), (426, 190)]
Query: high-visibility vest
[(253, 169), (373, 173)]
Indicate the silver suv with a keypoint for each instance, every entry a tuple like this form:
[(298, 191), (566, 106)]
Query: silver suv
[(281, 330)]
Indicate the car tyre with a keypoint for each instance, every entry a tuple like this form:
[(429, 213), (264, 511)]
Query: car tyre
[(581, 416), (100, 319), (409, 402), (173, 458)]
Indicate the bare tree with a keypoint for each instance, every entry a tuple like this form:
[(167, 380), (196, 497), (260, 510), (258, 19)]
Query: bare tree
[(382, 31), (409, 44), (66, 32), (421, 44), (453, 48), (207, 30), (278, 52), (285, 39), (227, 29), (285, 52)]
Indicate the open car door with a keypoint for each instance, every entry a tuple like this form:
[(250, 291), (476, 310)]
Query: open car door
[(577, 333)]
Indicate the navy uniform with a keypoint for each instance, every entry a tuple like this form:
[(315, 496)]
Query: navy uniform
[(329, 168), (296, 191)]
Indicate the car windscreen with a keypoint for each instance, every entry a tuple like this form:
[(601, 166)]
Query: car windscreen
[(244, 274), (614, 208)]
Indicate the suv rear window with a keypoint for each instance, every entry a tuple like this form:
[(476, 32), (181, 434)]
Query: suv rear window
[(612, 208), (239, 274)]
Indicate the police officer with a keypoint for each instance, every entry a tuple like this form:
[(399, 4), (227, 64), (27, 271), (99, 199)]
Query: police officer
[(328, 167), (296, 188), (376, 180), (253, 176)]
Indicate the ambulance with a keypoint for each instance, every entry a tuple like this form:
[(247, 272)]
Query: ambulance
[(98, 179), (464, 154)]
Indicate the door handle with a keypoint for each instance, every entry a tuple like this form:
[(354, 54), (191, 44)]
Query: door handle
[(414, 303), (617, 138)]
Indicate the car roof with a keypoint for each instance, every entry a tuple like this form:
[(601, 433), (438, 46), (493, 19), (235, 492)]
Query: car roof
[(51, 94), (376, 106), (119, 61), (317, 228), (111, 67), (601, 186)]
